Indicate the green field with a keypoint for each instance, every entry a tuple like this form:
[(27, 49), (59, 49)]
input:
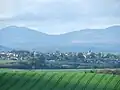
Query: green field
[(6, 61), (56, 80)]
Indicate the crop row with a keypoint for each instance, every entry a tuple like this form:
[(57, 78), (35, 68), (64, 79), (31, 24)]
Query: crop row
[(58, 81)]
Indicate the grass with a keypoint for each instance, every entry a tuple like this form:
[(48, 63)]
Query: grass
[(6, 61), (57, 80)]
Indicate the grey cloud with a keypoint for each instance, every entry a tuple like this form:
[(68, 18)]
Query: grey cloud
[(71, 10), (65, 15)]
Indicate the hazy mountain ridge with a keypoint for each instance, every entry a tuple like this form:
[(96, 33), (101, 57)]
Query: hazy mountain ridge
[(25, 38), (3, 48)]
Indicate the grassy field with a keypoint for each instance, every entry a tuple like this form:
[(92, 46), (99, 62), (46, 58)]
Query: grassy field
[(55, 80), (6, 61)]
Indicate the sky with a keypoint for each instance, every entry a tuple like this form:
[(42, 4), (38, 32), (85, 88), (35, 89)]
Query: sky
[(59, 16)]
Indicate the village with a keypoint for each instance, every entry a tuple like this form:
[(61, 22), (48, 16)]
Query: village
[(59, 59)]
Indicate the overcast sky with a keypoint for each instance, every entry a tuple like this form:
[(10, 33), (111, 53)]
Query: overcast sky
[(59, 16)]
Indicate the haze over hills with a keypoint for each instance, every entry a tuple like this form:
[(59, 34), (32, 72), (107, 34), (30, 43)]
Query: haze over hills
[(83, 40), (2, 48)]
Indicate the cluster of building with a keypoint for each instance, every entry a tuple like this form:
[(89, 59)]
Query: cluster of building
[(8, 56), (68, 59)]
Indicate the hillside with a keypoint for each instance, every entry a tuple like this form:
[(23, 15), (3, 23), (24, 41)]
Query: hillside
[(43, 80), (97, 39), (2, 48), (20, 37)]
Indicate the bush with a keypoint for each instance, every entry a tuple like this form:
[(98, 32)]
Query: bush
[(108, 71)]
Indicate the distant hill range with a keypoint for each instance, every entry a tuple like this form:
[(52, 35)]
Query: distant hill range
[(2, 48), (107, 40)]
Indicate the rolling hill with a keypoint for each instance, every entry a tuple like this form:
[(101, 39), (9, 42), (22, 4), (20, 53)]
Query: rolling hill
[(83, 40), (57, 80)]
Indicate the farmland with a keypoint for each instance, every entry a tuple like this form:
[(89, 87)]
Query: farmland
[(6, 61), (55, 80)]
